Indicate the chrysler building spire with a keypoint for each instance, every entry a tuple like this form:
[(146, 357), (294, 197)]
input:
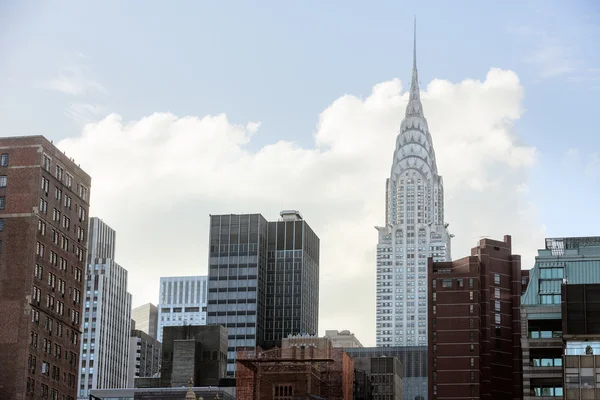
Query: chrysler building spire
[(414, 228), (414, 103)]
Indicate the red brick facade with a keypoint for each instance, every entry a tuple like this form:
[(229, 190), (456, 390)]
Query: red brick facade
[(42, 265), (474, 324)]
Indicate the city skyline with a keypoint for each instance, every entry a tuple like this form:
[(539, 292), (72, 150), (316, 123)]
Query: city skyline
[(306, 120)]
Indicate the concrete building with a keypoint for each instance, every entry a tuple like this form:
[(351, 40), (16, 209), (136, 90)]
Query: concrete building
[(305, 367), (182, 301), (385, 376), (144, 357), (197, 352), (414, 366), (414, 230), (342, 339), (146, 319), (107, 315), (550, 337), (263, 279), (44, 201), (474, 321)]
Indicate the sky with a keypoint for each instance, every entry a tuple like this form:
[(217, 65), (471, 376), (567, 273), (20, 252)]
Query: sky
[(186, 109)]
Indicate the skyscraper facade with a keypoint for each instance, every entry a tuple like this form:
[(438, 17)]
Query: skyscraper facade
[(414, 230), (236, 283), (146, 319), (292, 286), (44, 201), (263, 279), (182, 301), (107, 315)]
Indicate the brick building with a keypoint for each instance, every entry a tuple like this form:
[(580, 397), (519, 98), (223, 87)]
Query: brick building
[(474, 346), (44, 201)]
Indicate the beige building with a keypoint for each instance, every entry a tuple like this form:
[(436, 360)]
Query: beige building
[(343, 339)]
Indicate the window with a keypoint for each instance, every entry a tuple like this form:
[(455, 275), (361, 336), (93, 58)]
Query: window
[(471, 347), (496, 279), (37, 294), (470, 308), (68, 181), (497, 293), (471, 296), (433, 283), (447, 283), (45, 184), (4, 160), (434, 309), (2, 180), (2, 202), (497, 305), (41, 227), (1, 224), (497, 318), (471, 283), (59, 173), (472, 362), (43, 206), (39, 271), (57, 194), (434, 296), (47, 162)]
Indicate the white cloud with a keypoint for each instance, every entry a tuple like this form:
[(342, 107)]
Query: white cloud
[(157, 179), (73, 80)]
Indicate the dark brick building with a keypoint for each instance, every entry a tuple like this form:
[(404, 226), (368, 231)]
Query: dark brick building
[(197, 352), (474, 324), (44, 201)]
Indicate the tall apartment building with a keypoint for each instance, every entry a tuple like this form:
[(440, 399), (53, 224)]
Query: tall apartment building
[(107, 315), (474, 321), (182, 301), (414, 230), (144, 357), (263, 279), (44, 201), (146, 319), (554, 341)]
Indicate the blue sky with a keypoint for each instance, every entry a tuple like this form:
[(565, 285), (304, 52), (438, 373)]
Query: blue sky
[(284, 63)]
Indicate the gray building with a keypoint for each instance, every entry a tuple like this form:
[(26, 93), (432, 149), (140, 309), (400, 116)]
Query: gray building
[(263, 279), (144, 356), (107, 315), (146, 319), (197, 352), (564, 262), (182, 301), (414, 366), (385, 375)]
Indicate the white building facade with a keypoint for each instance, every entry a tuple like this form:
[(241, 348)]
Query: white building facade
[(414, 230), (182, 301), (107, 315)]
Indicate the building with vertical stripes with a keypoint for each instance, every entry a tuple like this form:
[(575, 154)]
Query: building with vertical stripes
[(182, 301), (107, 315)]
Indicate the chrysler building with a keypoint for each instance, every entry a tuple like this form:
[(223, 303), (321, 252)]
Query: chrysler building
[(414, 229)]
